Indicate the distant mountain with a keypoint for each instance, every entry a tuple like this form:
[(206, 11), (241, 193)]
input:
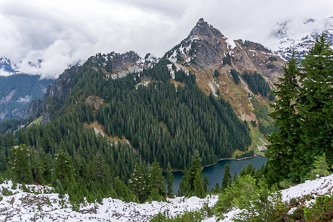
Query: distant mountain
[(299, 35), (239, 72), (17, 91), (6, 65)]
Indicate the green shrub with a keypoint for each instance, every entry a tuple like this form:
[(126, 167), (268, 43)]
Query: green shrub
[(272, 58), (321, 210), (270, 66)]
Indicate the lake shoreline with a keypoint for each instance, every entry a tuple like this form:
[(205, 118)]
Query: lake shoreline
[(238, 159)]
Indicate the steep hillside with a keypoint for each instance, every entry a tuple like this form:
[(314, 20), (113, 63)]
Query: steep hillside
[(206, 50), (158, 119), (112, 65), (219, 65)]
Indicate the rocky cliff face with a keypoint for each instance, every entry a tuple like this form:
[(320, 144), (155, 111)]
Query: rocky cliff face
[(116, 65), (207, 51), (58, 92)]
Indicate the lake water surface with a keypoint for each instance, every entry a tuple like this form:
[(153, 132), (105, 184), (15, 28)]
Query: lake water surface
[(215, 173)]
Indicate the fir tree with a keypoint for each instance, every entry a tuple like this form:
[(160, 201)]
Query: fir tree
[(156, 181), (205, 182), (20, 163), (303, 113), (64, 168), (285, 139), (315, 101), (169, 181), (195, 167), (227, 177), (184, 184), (320, 168), (137, 183), (198, 185)]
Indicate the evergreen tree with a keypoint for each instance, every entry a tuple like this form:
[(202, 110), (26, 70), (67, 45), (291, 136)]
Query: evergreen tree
[(235, 176), (185, 184), (320, 168), (169, 181), (265, 205), (315, 102), (217, 188), (123, 192), (205, 182), (20, 163), (198, 185), (64, 168), (195, 167), (284, 140), (40, 165), (227, 177), (156, 182), (137, 183), (303, 113), (237, 195)]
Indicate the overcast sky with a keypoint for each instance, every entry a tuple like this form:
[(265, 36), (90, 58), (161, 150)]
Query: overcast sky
[(62, 32)]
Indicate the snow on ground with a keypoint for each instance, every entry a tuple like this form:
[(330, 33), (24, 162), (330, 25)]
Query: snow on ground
[(42, 205), (45, 206), (316, 187)]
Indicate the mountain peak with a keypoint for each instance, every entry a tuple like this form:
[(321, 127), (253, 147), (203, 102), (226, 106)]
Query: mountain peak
[(204, 29)]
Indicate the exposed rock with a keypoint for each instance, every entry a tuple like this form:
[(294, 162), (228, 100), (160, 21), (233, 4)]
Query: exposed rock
[(207, 50)]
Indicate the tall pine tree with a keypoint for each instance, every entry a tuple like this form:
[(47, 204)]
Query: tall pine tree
[(137, 183), (315, 105), (19, 160), (169, 181), (284, 140), (227, 177), (303, 115), (156, 182)]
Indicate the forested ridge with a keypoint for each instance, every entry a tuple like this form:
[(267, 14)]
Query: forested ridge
[(158, 119)]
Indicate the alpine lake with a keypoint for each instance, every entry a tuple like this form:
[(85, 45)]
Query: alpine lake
[(215, 172)]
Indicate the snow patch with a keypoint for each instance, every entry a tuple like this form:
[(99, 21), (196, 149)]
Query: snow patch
[(211, 86), (231, 43)]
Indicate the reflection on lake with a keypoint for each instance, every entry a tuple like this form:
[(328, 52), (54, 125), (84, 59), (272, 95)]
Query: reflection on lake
[(215, 173)]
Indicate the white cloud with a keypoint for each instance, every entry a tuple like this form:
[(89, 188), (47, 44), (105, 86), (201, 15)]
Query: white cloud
[(4, 73), (63, 32), (25, 99)]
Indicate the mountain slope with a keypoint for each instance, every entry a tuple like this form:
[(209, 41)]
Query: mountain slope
[(17, 91), (206, 50), (158, 119), (240, 72)]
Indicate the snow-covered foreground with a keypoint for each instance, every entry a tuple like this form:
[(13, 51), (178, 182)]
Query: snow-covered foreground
[(49, 207), (46, 206)]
